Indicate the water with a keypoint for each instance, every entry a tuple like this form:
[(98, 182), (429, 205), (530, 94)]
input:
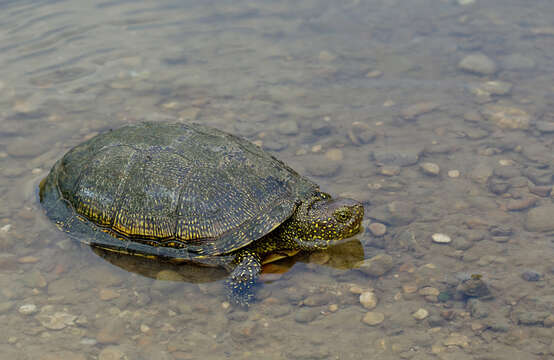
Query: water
[(357, 95)]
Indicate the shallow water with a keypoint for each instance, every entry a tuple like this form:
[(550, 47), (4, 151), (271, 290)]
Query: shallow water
[(437, 114)]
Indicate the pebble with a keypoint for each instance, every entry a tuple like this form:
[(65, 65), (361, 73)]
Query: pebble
[(28, 260), (334, 154), (333, 308), (543, 191), (306, 315), (478, 64), (441, 238), (377, 229), (420, 314), (288, 127), (316, 300), (507, 117), (539, 219), (389, 170), (322, 167), (377, 265), (531, 275), (453, 174), (456, 339), (430, 168), (521, 204), (361, 134), (492, 88), (374, 74), (409, 288), (112, 353), (27, 309), (112, 332), (368, 300), (108, 294), (429, 291), (322, 127), (397, 157), (413, 111), (55, 321), (373, 318)]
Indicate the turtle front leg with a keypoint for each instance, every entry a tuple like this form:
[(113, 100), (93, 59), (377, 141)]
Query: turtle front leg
[(242, 279)]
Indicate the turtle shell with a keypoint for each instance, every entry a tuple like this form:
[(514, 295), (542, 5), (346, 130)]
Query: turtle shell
[(172, 190)]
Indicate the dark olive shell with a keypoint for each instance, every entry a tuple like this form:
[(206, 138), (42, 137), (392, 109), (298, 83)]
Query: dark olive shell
[(173, 190)]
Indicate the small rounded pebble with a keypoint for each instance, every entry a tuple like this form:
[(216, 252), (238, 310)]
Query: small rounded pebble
[(429, 291), (478, 64), (409, 288), (368, 300), (373, 318), (441, 238), (355, 289), (334, 154), (531, 275), (333, 308), (28, 309), (420, 314), (430, 168), (453, 174), (390, 170), (377, 229)]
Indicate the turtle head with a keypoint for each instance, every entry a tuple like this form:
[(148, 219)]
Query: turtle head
[(322, 221)]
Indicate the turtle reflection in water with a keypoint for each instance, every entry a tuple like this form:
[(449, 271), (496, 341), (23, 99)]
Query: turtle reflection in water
[(188, 192)]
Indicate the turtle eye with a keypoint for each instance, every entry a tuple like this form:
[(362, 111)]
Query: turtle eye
[(342, 215)]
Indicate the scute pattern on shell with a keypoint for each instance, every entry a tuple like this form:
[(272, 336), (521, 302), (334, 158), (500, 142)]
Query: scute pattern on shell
[(171, 186)]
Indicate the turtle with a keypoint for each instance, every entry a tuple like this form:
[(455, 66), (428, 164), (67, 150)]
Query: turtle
[(190, 192)]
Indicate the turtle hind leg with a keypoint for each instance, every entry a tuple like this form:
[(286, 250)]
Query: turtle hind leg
[(241, 281)]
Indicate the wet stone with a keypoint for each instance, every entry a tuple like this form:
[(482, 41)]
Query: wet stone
[(477, 309), (521, 204), (27, 309), (543, 191), (413, 111), (55, 320), (539, 219), (396, 213), (506, 172), (531, 275), (368, 299), (478, 64), (323, 167), (377, 229), (441, 238), (112, 353), (397, 157), (373, 318), (306, 315), (288, 127), (322, 128), (316, 300), (429, 168), (361, 134), (497, 186), (507, 117), (420, 314), (377, 265)]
